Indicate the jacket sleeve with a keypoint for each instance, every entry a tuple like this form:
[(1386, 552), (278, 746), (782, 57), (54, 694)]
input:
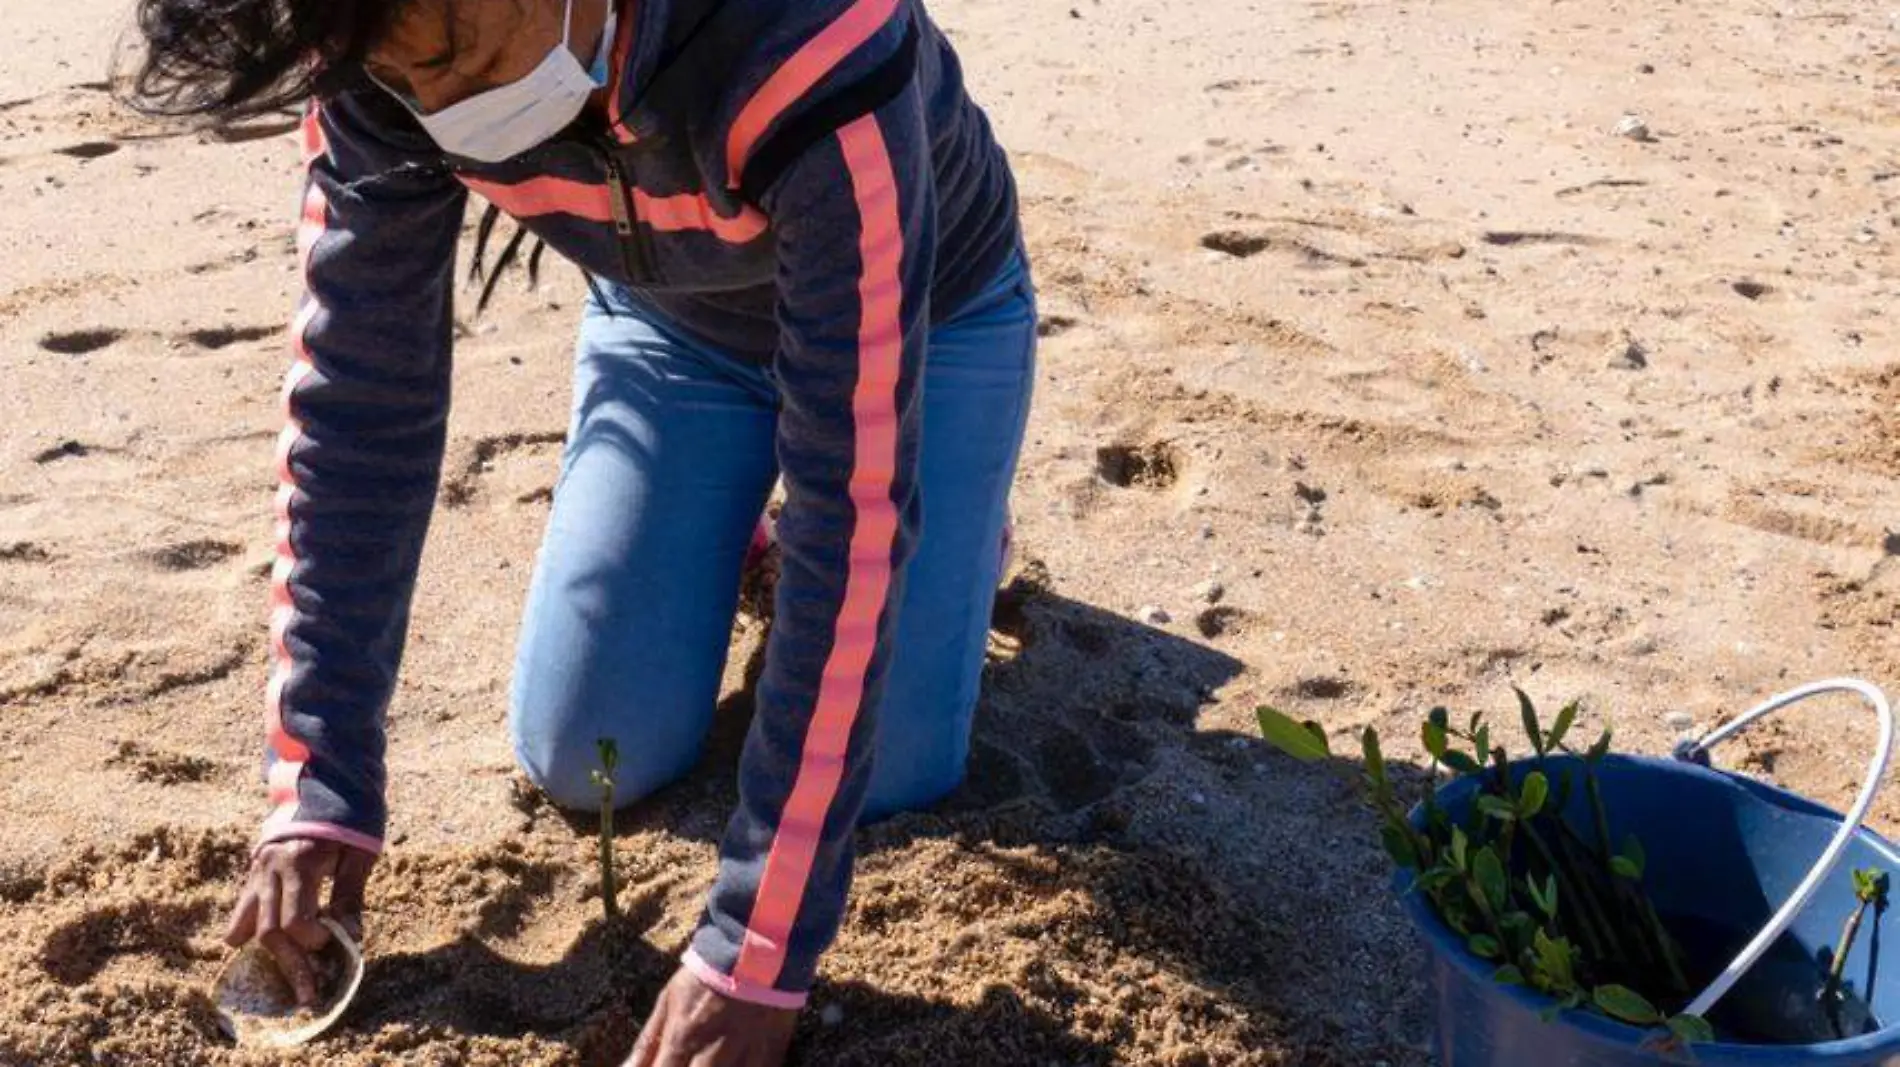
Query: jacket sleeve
[(854, 213), (366, 404)]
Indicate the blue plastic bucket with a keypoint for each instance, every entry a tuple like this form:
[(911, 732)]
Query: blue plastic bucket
[(1723, 854)]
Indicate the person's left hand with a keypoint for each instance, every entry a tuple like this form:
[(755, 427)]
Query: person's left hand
[(692, 1026)]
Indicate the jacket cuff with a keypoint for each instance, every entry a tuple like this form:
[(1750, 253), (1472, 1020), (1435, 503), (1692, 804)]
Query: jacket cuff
[(275, 830), (727, 986)]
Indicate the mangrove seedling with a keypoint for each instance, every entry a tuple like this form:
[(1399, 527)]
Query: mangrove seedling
[(1870, 891), (1559, 910), (604, 781)]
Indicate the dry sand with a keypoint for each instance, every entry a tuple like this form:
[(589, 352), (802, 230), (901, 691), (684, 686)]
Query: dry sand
[(1358, 309)]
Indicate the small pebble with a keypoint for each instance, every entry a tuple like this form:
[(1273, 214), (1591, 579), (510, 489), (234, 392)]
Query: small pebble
[(1210, 591), (831, 1014), (1634, 128), (1679, 720), (1199, 800), (1153, 616), (1629, 354)]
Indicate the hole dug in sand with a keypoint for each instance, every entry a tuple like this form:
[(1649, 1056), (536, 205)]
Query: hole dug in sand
[(1130, 466)]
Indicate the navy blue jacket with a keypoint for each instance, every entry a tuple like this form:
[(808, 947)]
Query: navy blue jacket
[(804, 182)]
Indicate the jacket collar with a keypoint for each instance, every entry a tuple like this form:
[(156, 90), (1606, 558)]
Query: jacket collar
[(638, 40)]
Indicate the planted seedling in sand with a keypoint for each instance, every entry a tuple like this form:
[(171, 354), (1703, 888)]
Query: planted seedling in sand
[(604, 780)]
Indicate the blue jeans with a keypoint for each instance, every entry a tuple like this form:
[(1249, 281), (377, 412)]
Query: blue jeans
[(668, 466)]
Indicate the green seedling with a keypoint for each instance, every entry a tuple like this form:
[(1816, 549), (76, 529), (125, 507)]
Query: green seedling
[(1555, 910), (1870, 891), (604, 780)]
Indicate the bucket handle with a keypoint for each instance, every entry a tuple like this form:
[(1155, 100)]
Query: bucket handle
[(1831, 857)]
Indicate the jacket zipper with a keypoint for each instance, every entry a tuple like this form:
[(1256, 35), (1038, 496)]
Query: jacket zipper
[(620, 203)]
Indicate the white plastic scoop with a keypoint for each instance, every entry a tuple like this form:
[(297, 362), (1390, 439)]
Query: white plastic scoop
[(258, 1008)]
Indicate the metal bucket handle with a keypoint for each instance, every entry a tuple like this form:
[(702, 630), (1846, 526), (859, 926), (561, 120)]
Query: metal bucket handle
[(1697, 752)]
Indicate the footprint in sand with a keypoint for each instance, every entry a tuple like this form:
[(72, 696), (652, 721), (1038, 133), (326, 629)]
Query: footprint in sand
[(193, 555), (486, 456), (87, 151), (80, 342), (162, 767), (24, 552), (217, 337), (67, 449), (1236, 243), (1222, 621), (80, 948), (1156, 465)]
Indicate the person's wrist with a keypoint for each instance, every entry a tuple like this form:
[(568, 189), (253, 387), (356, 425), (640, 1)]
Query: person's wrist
[(733, 989)]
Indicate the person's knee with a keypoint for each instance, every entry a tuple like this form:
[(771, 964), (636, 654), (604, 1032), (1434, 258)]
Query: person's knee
[(915, 786), (564, 767)]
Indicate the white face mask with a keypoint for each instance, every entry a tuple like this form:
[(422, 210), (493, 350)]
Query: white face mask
[(505, 121)]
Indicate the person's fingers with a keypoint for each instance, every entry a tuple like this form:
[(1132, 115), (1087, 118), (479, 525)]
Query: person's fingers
[(646, 1050), (264, 887), (303, 883), (347, 887), (296, 898), (295, 965), (243, 924)]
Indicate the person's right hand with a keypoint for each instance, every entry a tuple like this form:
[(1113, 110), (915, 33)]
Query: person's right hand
[(279, 905)]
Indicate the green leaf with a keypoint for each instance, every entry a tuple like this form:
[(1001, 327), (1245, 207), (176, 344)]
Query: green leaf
[(1870, 886), (1532, 794), (1565, 720), (1550, 1013), (1508, 975), (1296, 739), (1460, 844), (1432, 736), (1625, 867), (1457, 918), (1483, 946), (1440, 718), (1488, 871), (1554, 956), (1550, 895), (1481, 744), (609, 754), (1516, 928), (1531, 726), (1626, 1004), (1497, 807), (1459, 762), (1436, 878), (1601, 748), (1374, 757), (1691, 1029), (1398, 845), (1537, 895)]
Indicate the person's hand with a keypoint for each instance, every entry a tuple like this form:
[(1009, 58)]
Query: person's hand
[(692, 1026), (281, 902)]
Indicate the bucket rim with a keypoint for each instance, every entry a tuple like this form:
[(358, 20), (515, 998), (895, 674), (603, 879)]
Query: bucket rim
[(1452, 949)]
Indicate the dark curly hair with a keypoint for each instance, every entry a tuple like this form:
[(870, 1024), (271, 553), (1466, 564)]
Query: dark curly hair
[(226, 60)]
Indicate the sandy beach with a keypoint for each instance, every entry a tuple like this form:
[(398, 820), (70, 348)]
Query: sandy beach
[(1379, 371)]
